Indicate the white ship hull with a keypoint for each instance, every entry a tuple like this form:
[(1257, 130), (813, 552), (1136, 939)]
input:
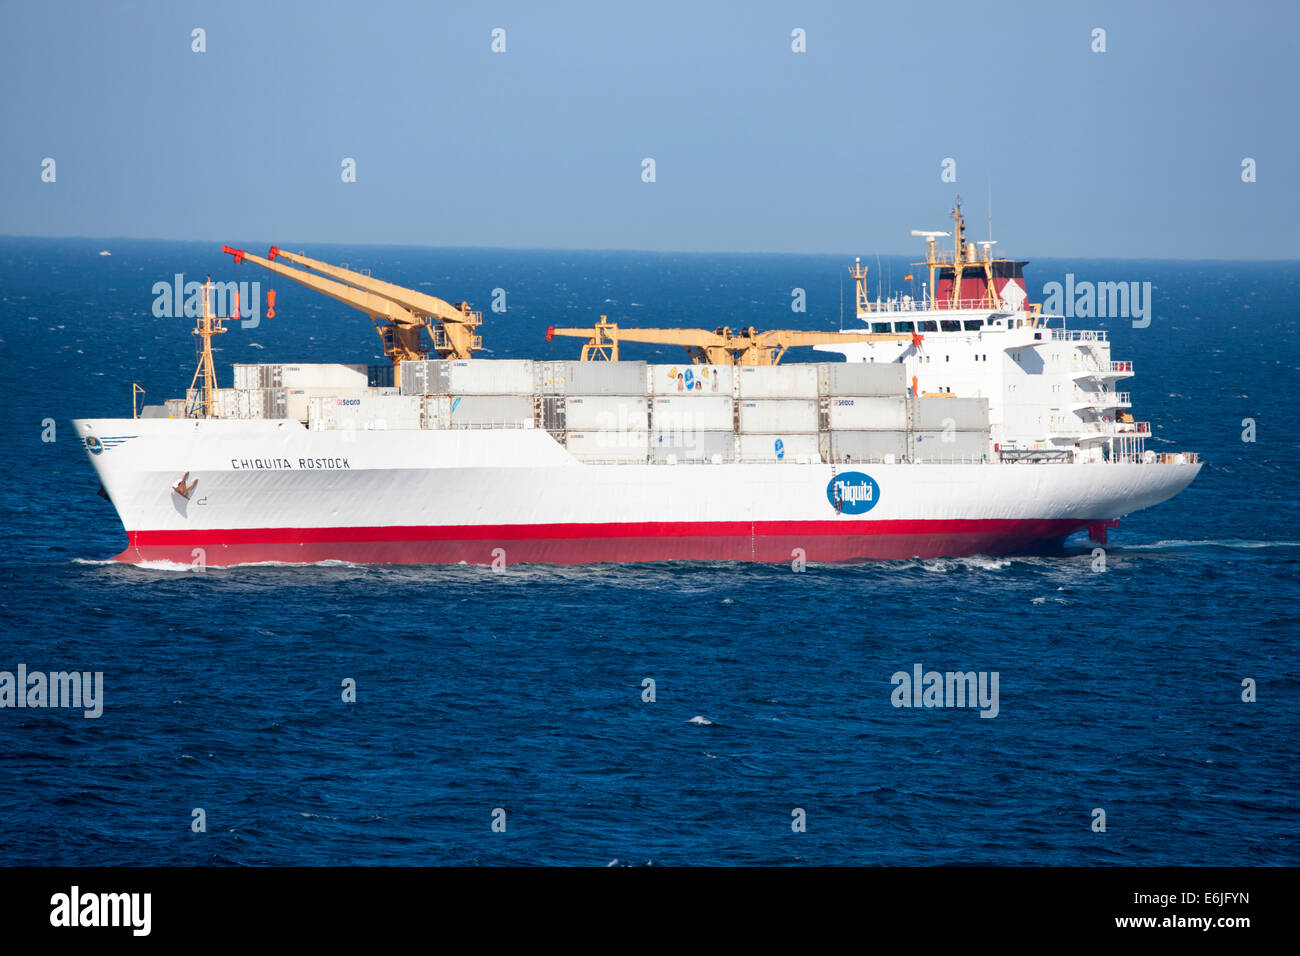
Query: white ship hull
[(275, 491)]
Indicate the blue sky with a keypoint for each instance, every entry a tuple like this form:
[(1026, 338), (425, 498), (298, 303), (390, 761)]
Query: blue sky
[(1135, 152)]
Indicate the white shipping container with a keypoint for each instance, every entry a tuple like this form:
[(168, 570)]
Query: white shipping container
[(470, 411), (687, 379), (248, 376), (850, 446), (369, 412), (693, 446), (862, 378), (962, 414), (943, 446), (322, 376), (608, 446), (856, 414), (789, 447), (774, 416), (606, 413), (550, 377), (777, 381), (605, 378), (229, 403), (481, 377), (699, 412), (175, 407), (297, 401)]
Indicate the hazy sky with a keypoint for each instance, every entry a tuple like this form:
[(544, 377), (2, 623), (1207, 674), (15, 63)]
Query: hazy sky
[(1134, 152)]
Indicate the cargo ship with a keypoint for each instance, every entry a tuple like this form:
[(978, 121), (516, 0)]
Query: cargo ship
[(959, 421)]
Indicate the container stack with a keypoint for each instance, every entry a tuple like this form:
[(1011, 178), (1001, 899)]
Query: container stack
[(630, 412), (600, 411), (777, 413), (692, 413), (459, 393), (949, 429)]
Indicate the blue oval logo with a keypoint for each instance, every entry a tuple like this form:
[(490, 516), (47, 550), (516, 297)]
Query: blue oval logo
[(780, 449), (852, 493), (94, 445)]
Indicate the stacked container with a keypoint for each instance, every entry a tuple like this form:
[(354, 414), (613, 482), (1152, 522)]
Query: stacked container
[(864, 411), (946, 429), (368, 412), (777, 413)]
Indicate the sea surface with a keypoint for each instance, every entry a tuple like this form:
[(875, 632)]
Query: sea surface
[(517, 697)]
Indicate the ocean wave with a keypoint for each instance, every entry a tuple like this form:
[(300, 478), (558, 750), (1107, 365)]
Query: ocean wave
[(1171, 543)]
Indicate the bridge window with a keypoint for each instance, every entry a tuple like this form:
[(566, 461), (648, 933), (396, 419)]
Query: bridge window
[(972, 325), (950, 325), (879, 326), (904, 326), (930, 326)]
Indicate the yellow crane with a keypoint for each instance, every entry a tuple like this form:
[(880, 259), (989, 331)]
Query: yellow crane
[(722, 346), (400, 315)]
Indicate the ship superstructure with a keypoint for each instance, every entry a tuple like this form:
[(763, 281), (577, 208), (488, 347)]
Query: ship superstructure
[(1053, 392), (964, 421)]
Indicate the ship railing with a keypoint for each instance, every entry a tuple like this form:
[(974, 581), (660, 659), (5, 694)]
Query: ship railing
[(917, 304), (1104, 399), (1121, 366), (1077, 335), (482, 425)]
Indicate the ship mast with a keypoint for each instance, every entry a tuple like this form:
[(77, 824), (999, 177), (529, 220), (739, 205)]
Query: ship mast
[(207, 325)]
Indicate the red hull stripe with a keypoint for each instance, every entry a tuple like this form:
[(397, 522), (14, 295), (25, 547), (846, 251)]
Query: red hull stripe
[(842, 540)]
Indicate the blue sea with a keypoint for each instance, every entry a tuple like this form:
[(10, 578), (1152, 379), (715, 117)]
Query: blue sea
[(517, 698)]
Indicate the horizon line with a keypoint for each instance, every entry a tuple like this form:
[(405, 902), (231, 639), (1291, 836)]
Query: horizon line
[(686, 252)]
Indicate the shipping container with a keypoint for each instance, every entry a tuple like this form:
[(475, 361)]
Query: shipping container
[(322, 376), (248, 376), (370, 412), (479, 411), (629, 413), (693, 446), (468, 377), (774, 416), (786, 448), (549, 377), (777, 381), (608, 446), (961, 414), (228, 403), (297, 401), (852, 379), (688, 379), (605, 378), (175, 407), (857, 414), (851, 446), (696, 413), (950, 445)]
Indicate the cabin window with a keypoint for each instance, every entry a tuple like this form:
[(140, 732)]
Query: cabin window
[(972, 325), (904, 326), (950, 325), (930, 326), (879, 326)]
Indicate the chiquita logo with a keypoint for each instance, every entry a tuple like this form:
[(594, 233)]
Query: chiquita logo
[(853, 493)]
